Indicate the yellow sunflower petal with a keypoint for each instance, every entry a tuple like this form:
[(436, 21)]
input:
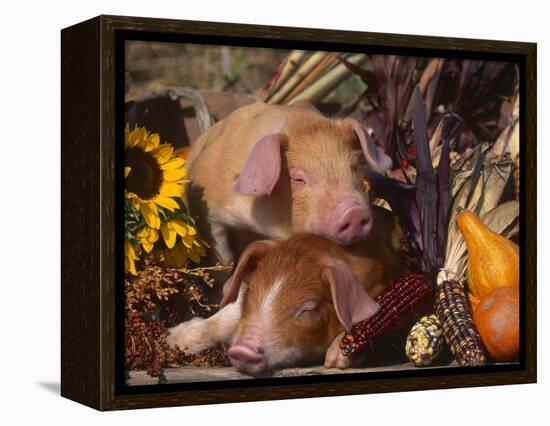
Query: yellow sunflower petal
[(127, 171), (129, 258), (131, 267), (179, 226), (150, 214), (153, 235), (136, 137), (193, 256), (163, 153), (199, 248), (174, 163), (147, 246), (191, 230), (173, 175), (188, 241), (170, 189), (176, 257), (131, 251), (147, 141), (135, 202), (152, 142), (168, 234), (166, 202), (148, 234)]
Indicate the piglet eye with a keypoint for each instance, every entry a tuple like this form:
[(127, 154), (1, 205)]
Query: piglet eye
[(298, 176), (307, 309)]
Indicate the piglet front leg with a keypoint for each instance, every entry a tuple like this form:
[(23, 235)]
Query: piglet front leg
[(198, 334), (334, 357)]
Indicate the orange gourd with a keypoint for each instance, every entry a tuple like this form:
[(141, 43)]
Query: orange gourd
[(493, 260), (497, 320)]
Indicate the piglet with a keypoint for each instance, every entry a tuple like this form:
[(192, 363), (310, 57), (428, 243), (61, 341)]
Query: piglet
[(302, 294), (272, 171)]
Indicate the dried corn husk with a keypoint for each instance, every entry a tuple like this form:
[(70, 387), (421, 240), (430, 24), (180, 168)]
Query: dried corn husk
[(318, 90), (281, 76), (435, 145), (508, 141), (303, 70), (312, 76), (483, 192)]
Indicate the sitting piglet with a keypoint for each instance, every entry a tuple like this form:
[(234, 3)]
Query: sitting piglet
[(302, 294)]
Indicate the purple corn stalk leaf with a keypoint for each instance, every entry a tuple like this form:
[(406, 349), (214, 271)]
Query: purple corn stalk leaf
[(365, 75), (402, 199), (426, 186)]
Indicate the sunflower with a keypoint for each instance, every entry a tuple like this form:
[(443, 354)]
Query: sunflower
[(154, 205), (154, 176)]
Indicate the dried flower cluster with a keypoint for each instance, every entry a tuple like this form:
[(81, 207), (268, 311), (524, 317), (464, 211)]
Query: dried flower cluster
[(158, 298), (146, 348)]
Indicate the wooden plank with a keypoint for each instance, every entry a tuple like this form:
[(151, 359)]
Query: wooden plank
[(212, 374)]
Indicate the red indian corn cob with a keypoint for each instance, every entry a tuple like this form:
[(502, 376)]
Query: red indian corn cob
[(454, 313), (401, 302)]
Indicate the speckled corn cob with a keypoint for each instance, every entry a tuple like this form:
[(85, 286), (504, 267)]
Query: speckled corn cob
[(455, 316), (424, 341), (401, 302)]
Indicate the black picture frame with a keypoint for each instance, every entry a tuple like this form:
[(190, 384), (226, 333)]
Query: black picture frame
[(92, 183)]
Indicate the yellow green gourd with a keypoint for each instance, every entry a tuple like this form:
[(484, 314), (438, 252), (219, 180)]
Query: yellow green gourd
[(493, 260)]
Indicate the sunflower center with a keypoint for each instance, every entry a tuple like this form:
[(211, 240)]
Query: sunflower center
[(145, 178)]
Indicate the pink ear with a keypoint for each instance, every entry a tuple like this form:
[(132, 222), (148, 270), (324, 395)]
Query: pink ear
[(351, 301), (247, 261), (375, 155), (263, 167)]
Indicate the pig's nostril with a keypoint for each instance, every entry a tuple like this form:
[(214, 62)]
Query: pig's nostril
[(260, 350), (344, 227), (364, 222)]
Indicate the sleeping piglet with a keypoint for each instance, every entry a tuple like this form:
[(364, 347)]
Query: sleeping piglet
[(288, 304), (272, 171)]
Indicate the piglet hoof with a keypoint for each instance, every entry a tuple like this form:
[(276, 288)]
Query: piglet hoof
[(191, 336), (334, 357)]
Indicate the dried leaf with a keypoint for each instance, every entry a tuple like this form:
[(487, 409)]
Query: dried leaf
[(444, 201)]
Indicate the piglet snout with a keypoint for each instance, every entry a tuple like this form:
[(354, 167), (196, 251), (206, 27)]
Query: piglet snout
[(352, 223), (248, 355)]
